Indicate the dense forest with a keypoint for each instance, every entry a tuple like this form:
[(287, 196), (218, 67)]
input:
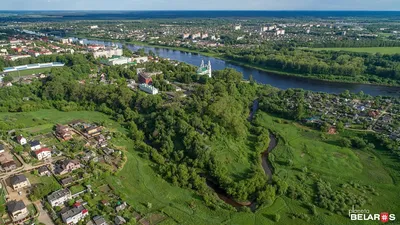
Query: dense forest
[(356, 67)]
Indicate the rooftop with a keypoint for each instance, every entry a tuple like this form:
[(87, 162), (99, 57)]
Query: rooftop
[(58, 194), (73, 212), (18, 179), (14, 206)]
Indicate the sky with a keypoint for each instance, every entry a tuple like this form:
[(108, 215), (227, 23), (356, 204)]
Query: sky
[(200, 5)]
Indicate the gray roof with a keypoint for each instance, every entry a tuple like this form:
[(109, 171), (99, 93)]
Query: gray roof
[(34, 143), (1, 147), (121, 207), (67, 180), (14, 206), (18, 179), (99, 220), (58, 194), (43, 169), (72, 212), (119, 220)]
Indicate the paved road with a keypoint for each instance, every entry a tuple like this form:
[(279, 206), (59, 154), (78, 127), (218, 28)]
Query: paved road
[(43, 215), (28, 167)]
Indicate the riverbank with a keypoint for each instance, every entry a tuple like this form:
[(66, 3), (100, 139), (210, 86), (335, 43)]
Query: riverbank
[(247, 65)]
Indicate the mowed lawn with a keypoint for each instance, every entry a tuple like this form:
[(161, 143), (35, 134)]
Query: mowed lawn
[(383, 50)]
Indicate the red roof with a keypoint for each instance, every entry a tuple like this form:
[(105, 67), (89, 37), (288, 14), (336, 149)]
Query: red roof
[(77, 204), (19, 137), (42, 150), (84, 211)]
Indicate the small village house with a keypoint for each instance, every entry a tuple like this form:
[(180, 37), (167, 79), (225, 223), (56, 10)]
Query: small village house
[(8, 166), (58, 198), (17, 210), (74, 215), (43, 153), (19, 181), (21, 140)]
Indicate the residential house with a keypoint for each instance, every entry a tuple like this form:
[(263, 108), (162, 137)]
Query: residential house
[(121, 207), (99, 220), (93, 131), (17, 210), (119, 220), (59, 197), (8, 166), (387, 118), (2, 149), (19, 181), (35, 145), (21, 140), (108, 151), (43, 171), (101, 141), (88, 155), (67, 166), (74, 215), (105, 202), (64, 132), (67, 181), (373, 113), (43, 153)]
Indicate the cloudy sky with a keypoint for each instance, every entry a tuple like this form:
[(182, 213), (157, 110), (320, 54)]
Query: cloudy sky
[(199, 5)]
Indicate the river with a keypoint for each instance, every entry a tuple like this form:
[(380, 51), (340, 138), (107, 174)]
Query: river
[(273, 142), (279, 81)]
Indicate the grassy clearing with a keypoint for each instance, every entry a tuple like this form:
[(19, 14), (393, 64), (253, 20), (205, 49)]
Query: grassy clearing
[(236, 154), (29, 72), (43, 121), (383, 50)]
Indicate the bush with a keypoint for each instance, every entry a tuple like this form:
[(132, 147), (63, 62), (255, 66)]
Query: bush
[(276, 217)]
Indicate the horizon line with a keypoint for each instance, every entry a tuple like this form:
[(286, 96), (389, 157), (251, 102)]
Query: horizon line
[(200, 10)]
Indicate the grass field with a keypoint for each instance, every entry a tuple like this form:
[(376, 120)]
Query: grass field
[(29, 72), (383, 50), (306, 148), (35, 179), (43, 121), (138, 183)]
